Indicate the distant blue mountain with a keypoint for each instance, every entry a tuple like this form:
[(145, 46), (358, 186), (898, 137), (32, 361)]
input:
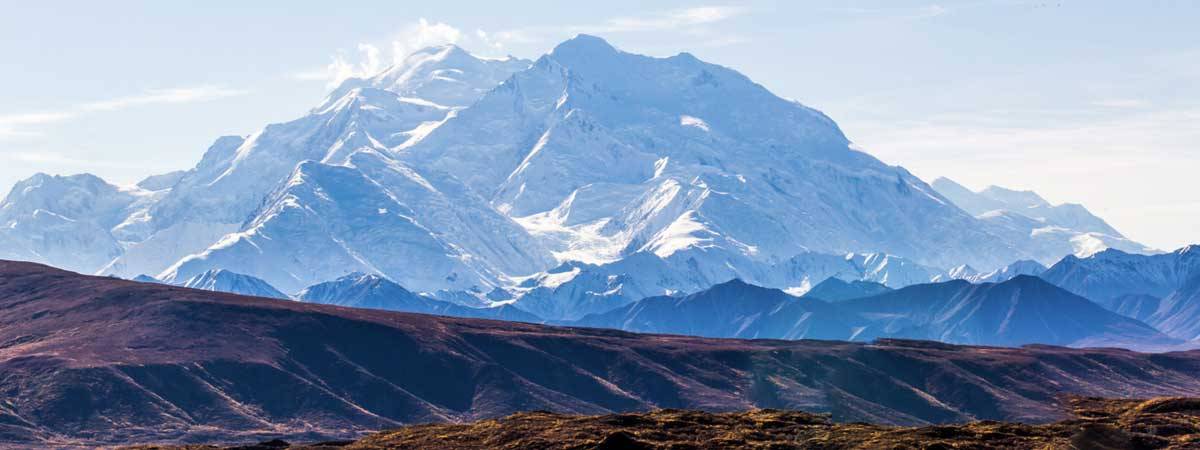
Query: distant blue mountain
[(1024, 310), (731, 309), (1113, 273), (835, 289), (373, 291)]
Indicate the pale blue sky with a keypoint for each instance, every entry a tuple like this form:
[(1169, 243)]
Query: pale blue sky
[(1083, 101)]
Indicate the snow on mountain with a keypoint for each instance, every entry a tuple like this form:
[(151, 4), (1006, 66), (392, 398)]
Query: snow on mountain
[(146, 279), (162, 181), (967, 273), (1023, 267), (444, 75), (69, 222), (576, 289), (221, 280), (597, 151), (220, 195), (373, 215), (360, 290), (1113, 273), (1047, 231)]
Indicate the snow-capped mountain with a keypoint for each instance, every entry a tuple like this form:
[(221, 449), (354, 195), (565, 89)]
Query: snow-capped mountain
[(576, 289), (1049, 231), (372, 215), (221, 280), (222, 194), (575, 184), (603, 154), (968, 273), (1113, 273), (445, 75), (70, 222), (362, 290)]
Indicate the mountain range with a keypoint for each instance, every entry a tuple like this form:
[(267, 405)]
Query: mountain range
[(1159, 289), (1021, 311), (93, 361), (1053, 230), (573, 184)]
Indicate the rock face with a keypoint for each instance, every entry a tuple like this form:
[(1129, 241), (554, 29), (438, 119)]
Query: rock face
[(190, 365)]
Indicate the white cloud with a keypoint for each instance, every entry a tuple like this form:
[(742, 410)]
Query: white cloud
[(47, 158), (896, 14), (12, 125), (157, 96), (370, 60), (669, 20), (421, 35)]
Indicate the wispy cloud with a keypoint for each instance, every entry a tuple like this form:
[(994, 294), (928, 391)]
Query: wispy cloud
[(695, 20), (43, 158), (663, 21), (17, 124), (371, 58), (156, 96), (894, 13)]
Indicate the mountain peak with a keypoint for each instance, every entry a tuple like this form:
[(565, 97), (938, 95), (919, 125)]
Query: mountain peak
[(1029, 280), (583, 44), (1014, 197)]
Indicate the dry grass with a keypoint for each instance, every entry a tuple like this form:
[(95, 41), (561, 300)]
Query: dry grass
[(1098, 424)]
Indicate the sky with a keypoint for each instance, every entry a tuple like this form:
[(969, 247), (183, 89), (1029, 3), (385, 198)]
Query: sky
[(1092, 102)]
